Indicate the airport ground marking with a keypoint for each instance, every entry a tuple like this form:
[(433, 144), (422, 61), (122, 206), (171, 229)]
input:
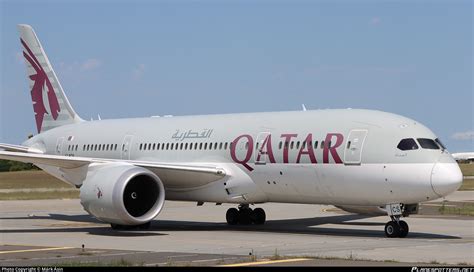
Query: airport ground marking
[(33, 250), (266, 262)]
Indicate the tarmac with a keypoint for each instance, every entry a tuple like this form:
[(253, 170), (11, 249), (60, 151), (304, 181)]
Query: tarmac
[(52, 232)]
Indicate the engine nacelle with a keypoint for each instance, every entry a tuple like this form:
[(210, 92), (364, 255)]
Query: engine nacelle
[(122, 194)]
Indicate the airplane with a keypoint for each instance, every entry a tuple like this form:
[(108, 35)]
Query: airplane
[(127, 168), (464, 156)]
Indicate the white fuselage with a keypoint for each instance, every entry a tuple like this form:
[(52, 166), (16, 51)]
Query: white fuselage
[(354, 162)]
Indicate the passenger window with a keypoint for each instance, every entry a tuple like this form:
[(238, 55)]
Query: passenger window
[(348, 144), (407, 144), (115, 148), (292, 144), (315, 144), (215, 146), (298, 145), (280, 145), (220, 146), (428, 143), (322, 144), (225, 146)]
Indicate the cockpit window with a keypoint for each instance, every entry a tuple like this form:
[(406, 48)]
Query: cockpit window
[(428, 143), (407, 144), (438, 141)]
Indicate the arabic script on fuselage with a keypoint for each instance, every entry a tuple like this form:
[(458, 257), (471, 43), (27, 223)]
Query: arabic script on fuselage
[(192, 134)]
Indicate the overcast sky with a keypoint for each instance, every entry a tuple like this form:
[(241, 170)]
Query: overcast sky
[(141, 58)]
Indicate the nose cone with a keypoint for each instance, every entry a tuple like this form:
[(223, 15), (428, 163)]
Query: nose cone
[(446, 178)]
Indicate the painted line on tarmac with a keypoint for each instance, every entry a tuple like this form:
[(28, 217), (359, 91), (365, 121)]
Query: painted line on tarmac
[(33, 250), (195, 261), (266, 262)]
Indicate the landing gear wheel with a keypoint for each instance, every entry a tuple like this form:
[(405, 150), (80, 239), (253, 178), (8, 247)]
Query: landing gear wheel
[(392, 229), (403, 229), (244, 216), (232, 216), (258, 216)]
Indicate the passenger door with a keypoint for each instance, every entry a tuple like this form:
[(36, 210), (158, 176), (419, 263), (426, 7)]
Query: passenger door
[(261, 158), (59, 146), (354, 146), (126, 147)]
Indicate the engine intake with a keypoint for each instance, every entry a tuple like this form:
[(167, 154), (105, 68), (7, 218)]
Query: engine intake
[(122, 194), (140, 194)]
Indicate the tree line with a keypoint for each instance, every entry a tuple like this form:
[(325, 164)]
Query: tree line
[(10, 166)]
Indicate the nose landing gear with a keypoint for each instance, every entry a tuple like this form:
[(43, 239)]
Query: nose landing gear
[(396, 227), (245, 215)]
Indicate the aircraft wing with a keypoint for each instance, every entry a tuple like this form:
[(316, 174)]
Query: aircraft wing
[(172, 175), (52, 160), (18, 148)]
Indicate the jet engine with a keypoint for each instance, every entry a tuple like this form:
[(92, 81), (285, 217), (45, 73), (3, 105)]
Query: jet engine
[(122, 194)]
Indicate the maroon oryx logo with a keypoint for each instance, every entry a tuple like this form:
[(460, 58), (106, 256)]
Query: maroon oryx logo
[(40, 79), (99, 193)]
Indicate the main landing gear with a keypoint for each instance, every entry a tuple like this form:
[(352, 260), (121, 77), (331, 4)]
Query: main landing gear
[(396, 227), (245, 215)]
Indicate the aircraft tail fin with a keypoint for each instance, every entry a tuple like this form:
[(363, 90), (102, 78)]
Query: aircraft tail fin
[(50, 104)]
